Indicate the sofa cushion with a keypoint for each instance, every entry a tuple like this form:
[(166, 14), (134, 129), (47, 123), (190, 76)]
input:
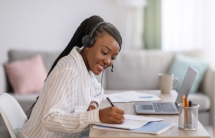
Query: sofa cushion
[(179, 68), (48, 58), (26, 76), (201, 99), (139, 69)]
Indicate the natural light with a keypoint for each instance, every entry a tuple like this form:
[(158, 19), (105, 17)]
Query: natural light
[(189, 25)]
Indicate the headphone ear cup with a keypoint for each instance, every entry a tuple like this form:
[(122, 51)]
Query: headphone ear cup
[(91, 42), (86, 40)]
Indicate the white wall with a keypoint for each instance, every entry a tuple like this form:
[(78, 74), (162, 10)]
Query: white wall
[(50, 24), (189, 25)]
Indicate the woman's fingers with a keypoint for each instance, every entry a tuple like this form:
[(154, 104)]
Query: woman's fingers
[(91, 107), (94, 103), (119, 116), (115, 120), (120, 111), (111, 115), (119, 121)]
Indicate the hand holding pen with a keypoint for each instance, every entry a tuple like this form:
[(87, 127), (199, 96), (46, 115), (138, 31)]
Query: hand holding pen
[(111, 115)]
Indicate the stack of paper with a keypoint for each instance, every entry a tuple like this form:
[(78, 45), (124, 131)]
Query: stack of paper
[(130, 96), (139, 124)]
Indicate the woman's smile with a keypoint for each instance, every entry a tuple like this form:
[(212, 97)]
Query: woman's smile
[(100, 67)]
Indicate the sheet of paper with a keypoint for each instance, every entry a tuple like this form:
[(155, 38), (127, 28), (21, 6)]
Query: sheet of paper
[(132, 122), (129, 96), (128, 124), (143, 118)]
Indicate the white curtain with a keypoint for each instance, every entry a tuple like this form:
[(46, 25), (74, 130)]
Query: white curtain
[(189, 25)]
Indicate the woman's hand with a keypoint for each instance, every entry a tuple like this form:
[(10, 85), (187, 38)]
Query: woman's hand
[(111, 115), (92, 106)]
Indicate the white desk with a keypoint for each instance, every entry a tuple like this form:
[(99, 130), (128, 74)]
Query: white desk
[(173, 132)]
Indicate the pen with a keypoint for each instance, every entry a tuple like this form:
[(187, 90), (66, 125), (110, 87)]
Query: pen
[(187, 103), (184, 101), (184, 105), (188, 112), (110, 101), (190, 104)]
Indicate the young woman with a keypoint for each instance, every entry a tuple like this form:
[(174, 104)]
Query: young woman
[(68, 102)]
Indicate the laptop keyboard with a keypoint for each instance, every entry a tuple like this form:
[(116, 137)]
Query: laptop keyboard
[(165, 107)]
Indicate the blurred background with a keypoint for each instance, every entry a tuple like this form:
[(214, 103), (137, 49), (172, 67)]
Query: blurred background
[(167, 25), (170, 25)]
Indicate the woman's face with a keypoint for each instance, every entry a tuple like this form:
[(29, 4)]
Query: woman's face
[(101, 55)]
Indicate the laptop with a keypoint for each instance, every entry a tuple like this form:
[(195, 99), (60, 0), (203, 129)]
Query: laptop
[(168, 107)]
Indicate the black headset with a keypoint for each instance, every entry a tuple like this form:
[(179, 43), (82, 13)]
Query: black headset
[(88, 40)]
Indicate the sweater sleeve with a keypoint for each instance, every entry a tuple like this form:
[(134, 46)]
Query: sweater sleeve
[(60, 116)]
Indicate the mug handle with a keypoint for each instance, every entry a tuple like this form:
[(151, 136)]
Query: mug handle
[(177, 81)]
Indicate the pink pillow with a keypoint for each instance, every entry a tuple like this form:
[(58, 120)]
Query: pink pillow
[(26, 76)]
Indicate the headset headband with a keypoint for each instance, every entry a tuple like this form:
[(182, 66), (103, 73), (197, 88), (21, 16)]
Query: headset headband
[(91, 33), (88, 40)]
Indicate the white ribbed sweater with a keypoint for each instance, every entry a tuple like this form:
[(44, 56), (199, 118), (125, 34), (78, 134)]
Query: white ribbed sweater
[(61, 110)]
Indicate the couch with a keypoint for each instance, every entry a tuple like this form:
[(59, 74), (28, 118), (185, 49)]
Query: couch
[(133, 70)]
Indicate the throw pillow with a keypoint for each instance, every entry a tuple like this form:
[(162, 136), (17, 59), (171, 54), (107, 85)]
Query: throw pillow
[(26, 76), (180, 66)]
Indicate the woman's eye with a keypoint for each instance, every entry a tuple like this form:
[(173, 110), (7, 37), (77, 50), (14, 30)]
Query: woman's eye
[(113, 58), (104, 53)]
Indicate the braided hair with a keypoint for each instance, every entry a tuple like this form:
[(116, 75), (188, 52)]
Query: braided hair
[(84, 29)]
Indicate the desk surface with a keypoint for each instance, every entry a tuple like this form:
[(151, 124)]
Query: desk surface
[(173, 132)]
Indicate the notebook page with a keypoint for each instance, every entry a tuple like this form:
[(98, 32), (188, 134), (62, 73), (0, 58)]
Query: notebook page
[(137, 117), (128, 124)]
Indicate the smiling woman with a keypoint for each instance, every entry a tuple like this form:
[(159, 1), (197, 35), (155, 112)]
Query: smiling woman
[(68, 102)]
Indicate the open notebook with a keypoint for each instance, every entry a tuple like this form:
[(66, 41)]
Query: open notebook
[(149, 128), (139, 124)]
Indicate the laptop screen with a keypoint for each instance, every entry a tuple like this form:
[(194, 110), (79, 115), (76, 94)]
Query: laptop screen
[(186, 84)]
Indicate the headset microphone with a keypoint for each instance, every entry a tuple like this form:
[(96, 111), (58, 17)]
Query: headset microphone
[(112, 69)]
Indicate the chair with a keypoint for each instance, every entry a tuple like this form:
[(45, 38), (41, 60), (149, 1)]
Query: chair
[(12, 113)]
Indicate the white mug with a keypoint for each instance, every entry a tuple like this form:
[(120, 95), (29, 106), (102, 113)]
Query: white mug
[(166, 82)]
